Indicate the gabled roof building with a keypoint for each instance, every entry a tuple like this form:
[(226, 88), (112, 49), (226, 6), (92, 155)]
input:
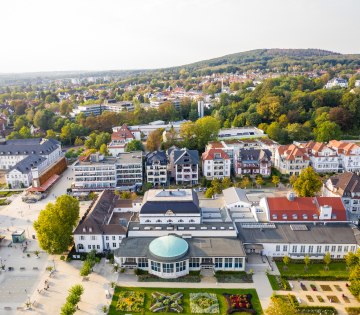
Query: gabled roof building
[(184, 165)]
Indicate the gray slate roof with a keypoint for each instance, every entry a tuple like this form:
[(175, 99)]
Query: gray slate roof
[(198, 247), (254, 154), (346, 183), (162, 206), (179, 156), (25, 165), (316, 234), (156, 157), (37, 146)]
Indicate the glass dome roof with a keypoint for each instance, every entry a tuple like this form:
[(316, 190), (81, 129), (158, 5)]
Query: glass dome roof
[(168, 247)]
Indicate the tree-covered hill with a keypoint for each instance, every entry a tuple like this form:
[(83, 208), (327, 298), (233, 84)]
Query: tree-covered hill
[(280, 59)]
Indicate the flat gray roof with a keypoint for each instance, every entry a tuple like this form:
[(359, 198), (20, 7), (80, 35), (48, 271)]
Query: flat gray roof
[(211, 226), (198, 247), (315, 234)]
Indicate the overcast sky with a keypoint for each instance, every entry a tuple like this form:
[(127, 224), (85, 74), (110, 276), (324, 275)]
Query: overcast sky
[(46, 35)]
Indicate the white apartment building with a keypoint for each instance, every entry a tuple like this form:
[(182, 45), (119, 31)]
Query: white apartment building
[(216, 164), (323, 158), (336, 82), (291, 159), (349, 155), (14, 151), (99, 172), (347, 187), (156, 168)]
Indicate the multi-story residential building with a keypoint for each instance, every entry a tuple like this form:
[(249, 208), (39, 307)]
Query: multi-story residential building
[(120, 138), (98, 172), (105, 225), (336, 82), (98, 109), (323, 158), (291, 159), (216, 164), (13, 151), (253, 162), (240, 133), (347, 187), (184, 165), (349, 155), (156, 167), (21, 174)]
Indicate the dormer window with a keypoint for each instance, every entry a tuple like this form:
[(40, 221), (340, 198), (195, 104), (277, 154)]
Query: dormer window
[(84, 229), (284, 216), (274, 216), (333, 216), (315, 216), (305, 216), (90, 229), (294, 216)]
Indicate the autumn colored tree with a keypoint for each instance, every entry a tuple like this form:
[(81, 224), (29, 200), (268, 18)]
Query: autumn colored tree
[(308, 183), (154, 140)]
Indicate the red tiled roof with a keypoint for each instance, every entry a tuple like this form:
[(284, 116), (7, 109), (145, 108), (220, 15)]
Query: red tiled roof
[(122, 134), (215, 145), (292, 151), (44, 187), (308, 206), (210, 154)]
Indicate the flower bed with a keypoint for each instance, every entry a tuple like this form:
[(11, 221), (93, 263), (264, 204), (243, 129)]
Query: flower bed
[(166, 302), (204, 303), (353, 310), (239, 303), (130, 301), (323, 310), (313, 287), (319, 297), (325, 287), (310, 298)]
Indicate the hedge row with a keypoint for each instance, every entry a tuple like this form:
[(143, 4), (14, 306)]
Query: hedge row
[(314, 277)]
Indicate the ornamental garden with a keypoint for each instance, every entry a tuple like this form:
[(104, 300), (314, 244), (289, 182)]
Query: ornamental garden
[(145, 301)]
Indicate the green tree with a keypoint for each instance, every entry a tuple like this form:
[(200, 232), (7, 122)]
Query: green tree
[(55, 224), (134, 145), (306, 262), (104, 149), (78, 142), (275, 180), (245, 182), (327, 260), (259, 181), (67, 309), (19, 123), (210, 192), (50, 134), (292, 179), (216, 185), (226, 182), (24, 132), (327, 131), (207, 129), (353, 264), (308, 183), (42, 119), (286, 261)]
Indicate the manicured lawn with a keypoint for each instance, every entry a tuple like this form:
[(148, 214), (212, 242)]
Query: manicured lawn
[(337, 271), (186, 299)]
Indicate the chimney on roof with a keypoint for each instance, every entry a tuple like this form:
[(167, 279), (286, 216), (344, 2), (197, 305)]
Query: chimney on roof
[(291, 196)]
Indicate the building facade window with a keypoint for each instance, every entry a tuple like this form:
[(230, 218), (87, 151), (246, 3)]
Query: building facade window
[(285, 248), (143, 263), (228, 263), (294, 249), (339, 248), (277, 248), (327, 248), (238, 262), (333, 248), (311, 249), (97, 246), (318, 249), (194, 263), (346, 249), (218, 262), (93, 237), (180, 266), (302, 249), (155, 266), (168, 268), (82, 237), (114, 244)]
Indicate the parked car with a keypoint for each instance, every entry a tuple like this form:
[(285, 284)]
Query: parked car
[(200, 189)]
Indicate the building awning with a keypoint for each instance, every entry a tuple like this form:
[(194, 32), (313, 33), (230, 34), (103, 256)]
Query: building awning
[(45, 186)]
